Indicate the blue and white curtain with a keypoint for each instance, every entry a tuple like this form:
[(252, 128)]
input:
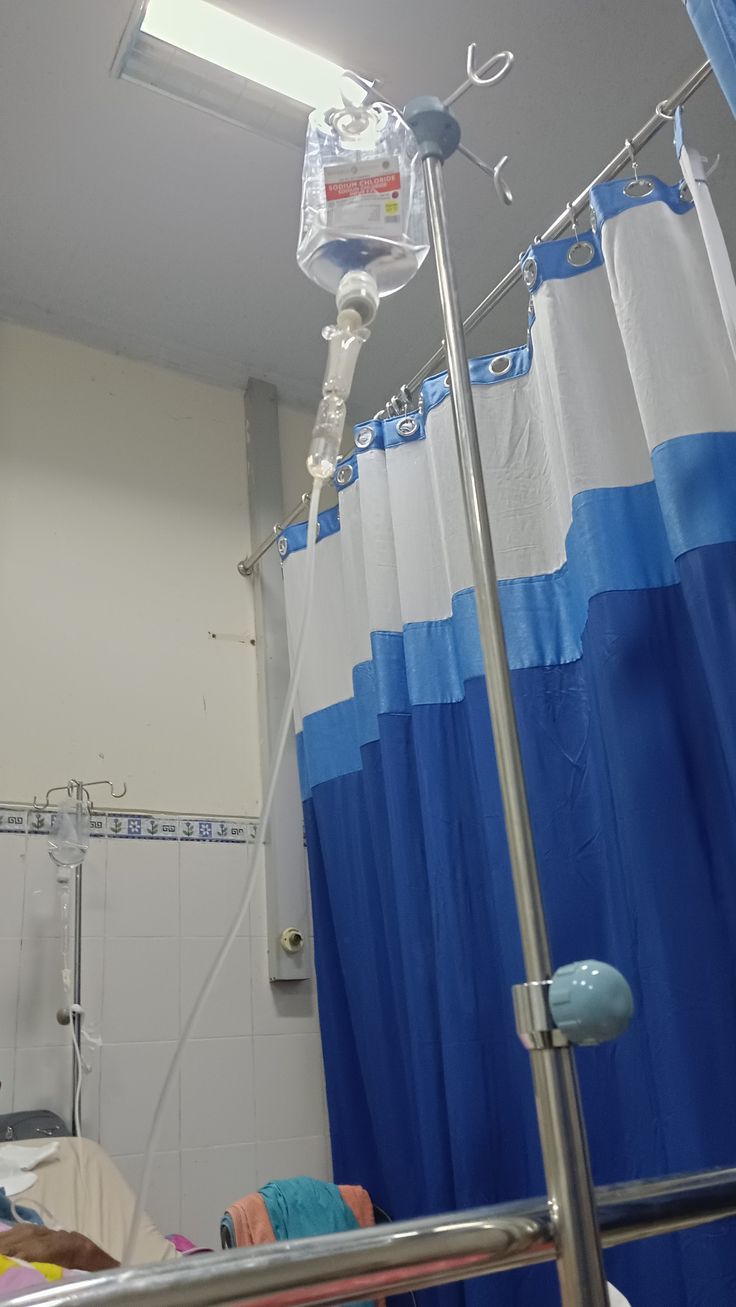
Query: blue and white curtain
[(609, 449), (715, 23)]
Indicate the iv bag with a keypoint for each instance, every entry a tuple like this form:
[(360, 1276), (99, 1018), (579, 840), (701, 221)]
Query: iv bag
[(362, 198), (69, 834)]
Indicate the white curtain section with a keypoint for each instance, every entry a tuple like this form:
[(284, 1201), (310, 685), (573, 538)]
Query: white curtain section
[(627, 355)]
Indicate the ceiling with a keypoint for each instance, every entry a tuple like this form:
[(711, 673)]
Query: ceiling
[(148, 227)]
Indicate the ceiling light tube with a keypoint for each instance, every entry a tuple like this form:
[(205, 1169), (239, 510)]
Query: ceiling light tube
[(222, 38)]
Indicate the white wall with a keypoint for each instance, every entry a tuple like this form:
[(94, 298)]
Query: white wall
[(123, 513), (249, 1104)]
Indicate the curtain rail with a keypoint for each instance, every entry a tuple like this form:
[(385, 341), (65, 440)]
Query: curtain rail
[(564, 220), (396, 1258)]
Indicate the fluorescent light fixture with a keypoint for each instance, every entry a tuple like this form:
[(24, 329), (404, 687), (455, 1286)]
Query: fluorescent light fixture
[(221, 37), (208, 56)]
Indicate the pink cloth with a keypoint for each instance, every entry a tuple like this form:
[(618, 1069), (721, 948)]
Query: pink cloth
[(17, 1277), (185, 1246)]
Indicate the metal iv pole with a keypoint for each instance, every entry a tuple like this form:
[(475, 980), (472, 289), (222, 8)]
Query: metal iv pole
[(561, 1128), (79, 791)]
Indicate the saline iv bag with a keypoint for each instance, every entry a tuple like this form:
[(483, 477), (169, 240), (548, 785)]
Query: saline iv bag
[(363, 235), (362, 198)]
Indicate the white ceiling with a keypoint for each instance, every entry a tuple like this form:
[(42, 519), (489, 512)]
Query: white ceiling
[(144, 226)]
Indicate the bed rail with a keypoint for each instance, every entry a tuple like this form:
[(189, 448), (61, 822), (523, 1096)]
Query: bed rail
[(395, 1258)]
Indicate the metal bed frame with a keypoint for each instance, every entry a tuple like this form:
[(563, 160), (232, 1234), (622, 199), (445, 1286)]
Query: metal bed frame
[(341, 1268)]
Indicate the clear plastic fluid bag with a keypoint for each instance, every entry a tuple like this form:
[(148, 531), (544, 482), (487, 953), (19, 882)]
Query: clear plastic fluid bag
[(69, 834), (362, 198)]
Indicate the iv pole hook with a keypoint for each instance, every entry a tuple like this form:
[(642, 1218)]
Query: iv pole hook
[(477, 76)]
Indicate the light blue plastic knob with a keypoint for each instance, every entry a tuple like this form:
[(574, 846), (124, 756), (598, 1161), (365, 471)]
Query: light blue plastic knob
[(590, 1002)]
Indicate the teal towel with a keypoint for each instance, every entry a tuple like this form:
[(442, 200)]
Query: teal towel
[(302, 1208)]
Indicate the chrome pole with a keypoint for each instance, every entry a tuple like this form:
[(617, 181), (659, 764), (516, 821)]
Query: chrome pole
[(367, 1264), (561, 1129), (76, 1014), (246, 566)]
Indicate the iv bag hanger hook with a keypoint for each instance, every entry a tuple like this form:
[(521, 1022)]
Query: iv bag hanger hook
[(80, 790), (476, 76), (495, 172), (501, 63)]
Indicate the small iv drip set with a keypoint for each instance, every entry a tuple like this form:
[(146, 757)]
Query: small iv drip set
[(69, 837)]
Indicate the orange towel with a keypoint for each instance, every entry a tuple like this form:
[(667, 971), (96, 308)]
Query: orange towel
[(251, 1221), (359, 1201)]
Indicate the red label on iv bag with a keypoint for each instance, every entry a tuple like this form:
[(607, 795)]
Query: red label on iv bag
[(347, 188)]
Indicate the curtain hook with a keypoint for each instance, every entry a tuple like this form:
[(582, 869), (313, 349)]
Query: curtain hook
[(573, 220), (711, 166), (632, 156)]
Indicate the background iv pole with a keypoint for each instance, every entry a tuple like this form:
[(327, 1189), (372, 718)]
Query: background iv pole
[(79, 791)]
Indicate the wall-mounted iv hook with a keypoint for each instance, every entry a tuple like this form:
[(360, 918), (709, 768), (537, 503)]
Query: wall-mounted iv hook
[(495, 172), (55, 789), (503, 61), (73, 787), (114, 794)]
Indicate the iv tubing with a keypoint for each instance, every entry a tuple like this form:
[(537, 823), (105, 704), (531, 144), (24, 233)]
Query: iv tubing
[(283, 735), (76, 1104)]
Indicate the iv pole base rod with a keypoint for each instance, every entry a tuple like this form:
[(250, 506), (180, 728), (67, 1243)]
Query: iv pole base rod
[(561, 1129), (76, 1014)]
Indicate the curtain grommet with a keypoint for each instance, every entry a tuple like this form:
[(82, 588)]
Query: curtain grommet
[(283, 546), (529, 271), (580, 254), (500, 366), (407, 427), (344, 474), (639, 188), (364, 438)]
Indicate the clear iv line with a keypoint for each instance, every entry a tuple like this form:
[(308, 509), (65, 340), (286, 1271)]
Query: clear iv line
[(215, 969)]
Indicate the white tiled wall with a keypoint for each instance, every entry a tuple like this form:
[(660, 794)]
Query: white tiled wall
[(249, 1104)]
